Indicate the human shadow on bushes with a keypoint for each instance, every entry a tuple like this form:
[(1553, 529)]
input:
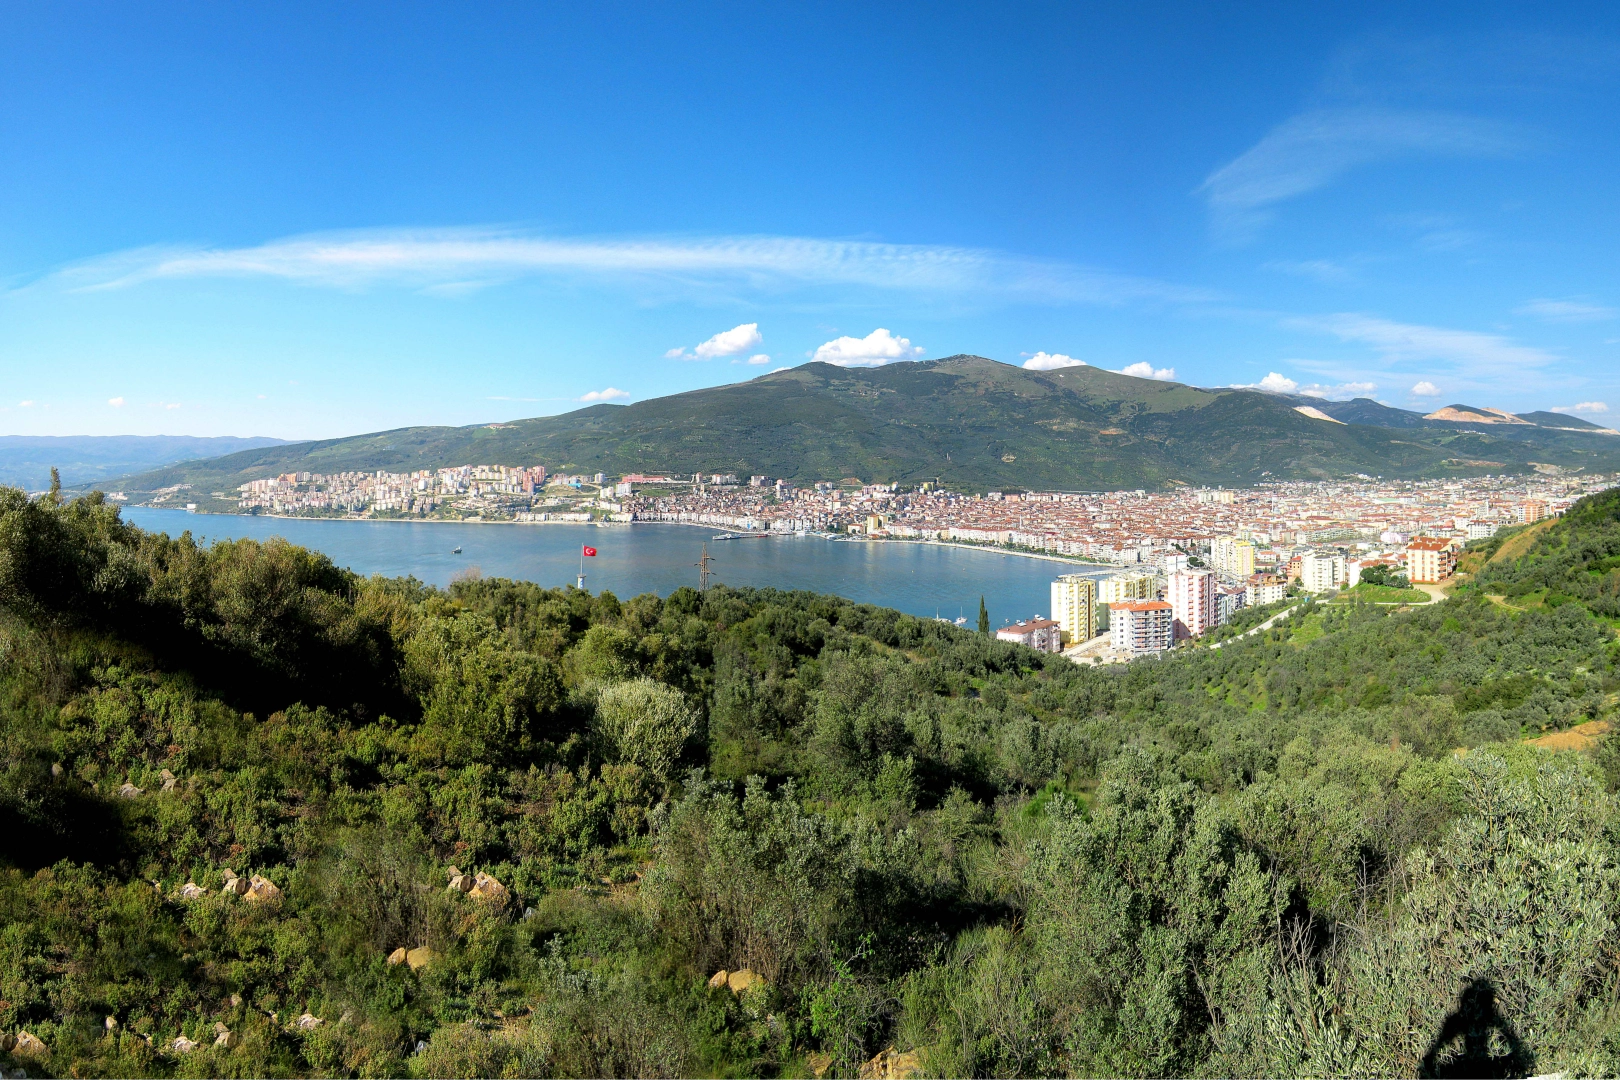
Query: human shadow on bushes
[(1462, 1048), (45, 820)]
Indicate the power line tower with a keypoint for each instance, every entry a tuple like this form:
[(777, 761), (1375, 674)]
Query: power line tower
[(703, 570)]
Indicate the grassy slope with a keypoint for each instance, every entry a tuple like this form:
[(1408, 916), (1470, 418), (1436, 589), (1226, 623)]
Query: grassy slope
[(1383, 594), (972, 422)]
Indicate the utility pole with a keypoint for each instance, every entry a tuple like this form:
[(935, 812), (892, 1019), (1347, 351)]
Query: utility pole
[(703, 570)]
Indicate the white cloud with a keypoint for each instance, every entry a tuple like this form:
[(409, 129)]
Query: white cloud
[(116, 402), (1405, 342), (1042, 361), (1569, 311), (420, 258), (1582, 407), (610, 394), (1277, 383), (25, 404), (759, 358), (1425, 389), (675, 353), (874, 350), (1339, 392), (1144, 370), (1315, 148), (730, 342)]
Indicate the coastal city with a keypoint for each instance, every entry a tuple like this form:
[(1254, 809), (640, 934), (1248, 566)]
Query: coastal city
[(1151, 569)]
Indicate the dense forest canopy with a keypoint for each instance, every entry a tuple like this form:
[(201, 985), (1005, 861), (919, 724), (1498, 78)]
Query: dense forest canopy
[(1322, 849)]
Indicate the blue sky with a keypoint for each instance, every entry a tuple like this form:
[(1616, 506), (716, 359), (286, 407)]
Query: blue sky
[(313, 221)]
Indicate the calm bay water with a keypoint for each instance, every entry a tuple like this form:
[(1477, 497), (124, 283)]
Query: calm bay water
[(921, 579)]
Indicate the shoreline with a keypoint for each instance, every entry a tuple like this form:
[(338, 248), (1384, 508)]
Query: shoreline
[(766, 533)]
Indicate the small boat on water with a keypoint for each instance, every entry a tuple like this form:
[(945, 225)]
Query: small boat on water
[(457, 551)]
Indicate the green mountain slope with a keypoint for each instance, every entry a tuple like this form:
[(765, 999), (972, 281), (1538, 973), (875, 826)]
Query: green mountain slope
[(971, 422), (1346, 846)]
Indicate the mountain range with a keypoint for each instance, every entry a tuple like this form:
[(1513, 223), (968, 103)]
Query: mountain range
[(967, 421), (26, 460)]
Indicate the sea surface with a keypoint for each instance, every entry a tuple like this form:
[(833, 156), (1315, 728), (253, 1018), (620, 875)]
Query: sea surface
[(922, 579)]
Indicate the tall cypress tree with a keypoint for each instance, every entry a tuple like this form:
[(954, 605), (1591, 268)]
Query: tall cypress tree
[(984, 618)]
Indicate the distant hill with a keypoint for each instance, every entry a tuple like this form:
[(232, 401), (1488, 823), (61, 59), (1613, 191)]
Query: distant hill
[(1363, 410), (26, 460), (971, 422), (1560, 420)]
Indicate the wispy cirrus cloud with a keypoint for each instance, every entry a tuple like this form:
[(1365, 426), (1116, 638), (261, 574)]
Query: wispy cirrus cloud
[(1398, 345), (1311, 150), (463, 259), (1326, 271), (1567, 311), (1591, 407)]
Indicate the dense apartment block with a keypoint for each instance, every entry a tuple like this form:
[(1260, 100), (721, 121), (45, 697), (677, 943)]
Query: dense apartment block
[(1074, 606), (1140, 627), (1191, 594), (1430, 559)]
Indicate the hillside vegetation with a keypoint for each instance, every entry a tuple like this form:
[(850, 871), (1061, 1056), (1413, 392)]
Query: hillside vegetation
[(1321, 850), (972, 423)]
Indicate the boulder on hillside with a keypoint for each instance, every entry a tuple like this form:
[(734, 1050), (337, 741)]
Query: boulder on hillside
[(397, 956), (111, 1024), (182, 1045), (485, 887), (462, 883), (227, 1039), (27, 1044), (236, 886), (420, 957), (718, 979), (308, 1022), (192, 891), (892, 1065), (129, 791), (261, 890), (740, 982)]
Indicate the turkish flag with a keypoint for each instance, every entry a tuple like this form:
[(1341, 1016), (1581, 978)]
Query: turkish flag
[(590, 551)]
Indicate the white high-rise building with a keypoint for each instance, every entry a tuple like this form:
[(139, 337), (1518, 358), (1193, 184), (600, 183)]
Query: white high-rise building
[(1074, 606), (1142, 626), (1321, 572), (1191, 594)]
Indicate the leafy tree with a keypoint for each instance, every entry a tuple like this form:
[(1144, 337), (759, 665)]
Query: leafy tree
[(644, 723)]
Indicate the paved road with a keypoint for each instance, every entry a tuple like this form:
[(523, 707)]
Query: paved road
[(1267, 625)]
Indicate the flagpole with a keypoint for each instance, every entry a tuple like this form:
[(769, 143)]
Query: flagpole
[(581, 583)]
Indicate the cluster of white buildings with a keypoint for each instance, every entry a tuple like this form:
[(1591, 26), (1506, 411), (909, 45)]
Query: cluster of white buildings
[(1184, 597), (501, 489)]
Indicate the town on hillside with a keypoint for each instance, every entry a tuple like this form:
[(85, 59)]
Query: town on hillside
[(1154, 568)]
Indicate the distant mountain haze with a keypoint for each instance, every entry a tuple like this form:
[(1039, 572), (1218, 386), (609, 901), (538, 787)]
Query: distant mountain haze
[(970, 422), (26, 460)]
